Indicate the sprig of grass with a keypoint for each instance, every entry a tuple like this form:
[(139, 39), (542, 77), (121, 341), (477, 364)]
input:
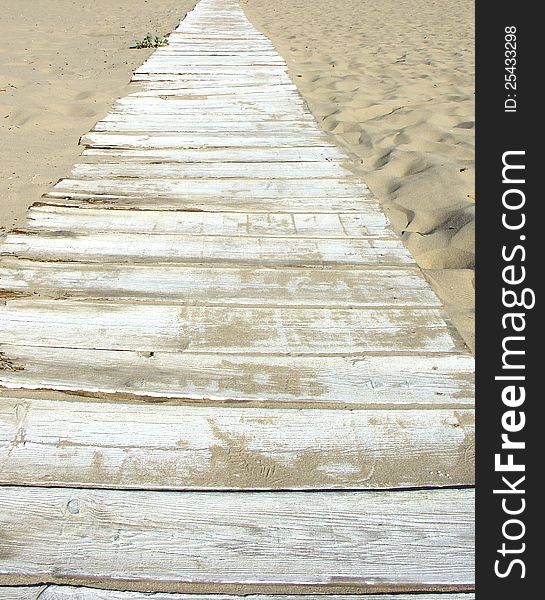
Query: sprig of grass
[(151, 41)]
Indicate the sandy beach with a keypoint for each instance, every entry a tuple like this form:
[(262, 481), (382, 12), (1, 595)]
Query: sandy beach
[(392, 81)]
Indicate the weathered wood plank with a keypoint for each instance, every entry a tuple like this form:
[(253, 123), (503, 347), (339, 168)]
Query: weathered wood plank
[(197, 89), (229, 330), (222, 113), (216, 204), (385, 380), (211, 285), (198, 51), (179, 63), (231, 170), (208, 140), (250, 542), (219, 155), (24, 593), (54, 592), (227, 111), (116, 122), (370, 224), (211, 188), (139, 446), (219, 79), (184, 248), (217, 109)]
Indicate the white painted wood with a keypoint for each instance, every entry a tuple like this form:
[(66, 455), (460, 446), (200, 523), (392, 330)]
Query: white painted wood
[(211, 188), (150, 446), (224, 330), (182, 248), (387, 380), (191, 541), (214, 78), (236, 91), (323, 170), (249, 71), (340, 225), (236, 285), (215, 204), (222, 109), (174, 63), (218, 155), (22, 592), (208, 140), (54, 592), (217, 109), (229, 285), (173, 123), (197, 51)]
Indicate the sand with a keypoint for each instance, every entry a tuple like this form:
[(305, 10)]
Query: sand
[(392, 81), (62, 64)]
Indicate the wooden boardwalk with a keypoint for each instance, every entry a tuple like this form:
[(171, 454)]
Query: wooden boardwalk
[(220, 371)]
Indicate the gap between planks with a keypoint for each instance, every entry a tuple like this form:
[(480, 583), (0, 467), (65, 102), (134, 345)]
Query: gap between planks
[(73, 593)]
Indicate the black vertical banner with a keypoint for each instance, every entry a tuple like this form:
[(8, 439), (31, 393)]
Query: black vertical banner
[(510, 247)]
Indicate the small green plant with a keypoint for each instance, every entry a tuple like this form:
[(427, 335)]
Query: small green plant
[(151, 41)]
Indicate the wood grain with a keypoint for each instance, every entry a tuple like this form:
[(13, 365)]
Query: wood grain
[(236, 285), (118, 445), (367, 223), (106, 246), (28, 593), (224, 330), (218, 155), (435, 381), (250, 541)]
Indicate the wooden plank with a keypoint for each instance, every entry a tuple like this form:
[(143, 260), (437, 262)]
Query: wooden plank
[(222, 108), (169, 89), (71, 593), (197, 51), (172, 91), (24, 593), (216, 204), (174, 63), (240, 542), (364, 382), (170, 123), (210, 140), (323, 170), (250, 71), (183, 248), (224, 330), (218, 112), (219, 155), (198, 109), (211, 188), (150, 446), (213, 78), (347, 225), (209, 285)]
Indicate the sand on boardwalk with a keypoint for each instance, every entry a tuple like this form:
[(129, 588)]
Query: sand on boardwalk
[(393, 81), (62, 64)]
